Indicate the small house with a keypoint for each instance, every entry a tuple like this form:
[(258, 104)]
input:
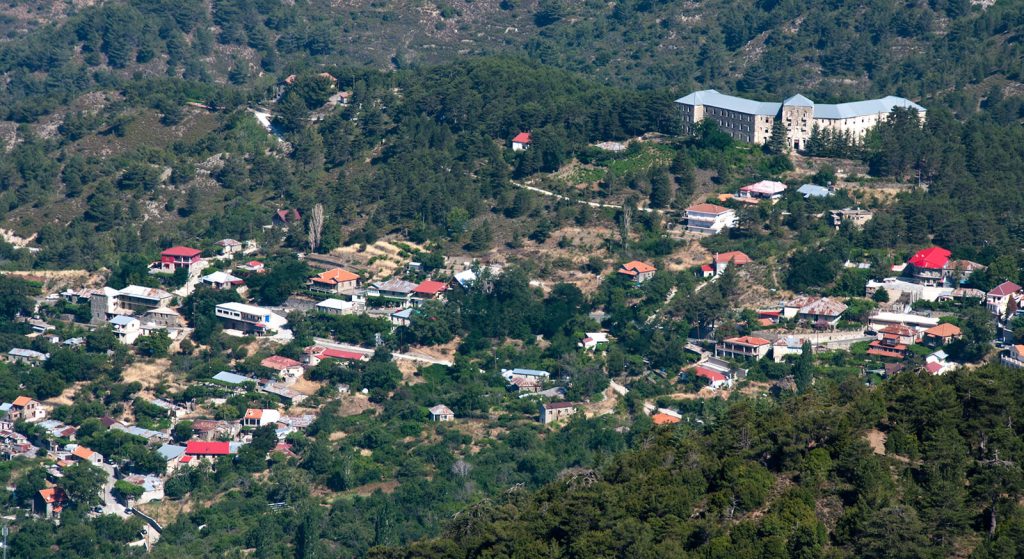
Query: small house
[(814, 191), (255, 417), (314, 354), (208, 449), (441, 412), (126, 328), (824, 311), (638, 271), (336, 307), (661, 418), (716, 379), (761, 190), (222, 281), (229, 246), (24, 408), (429, 289), (943, 334), (594, 341), (556, 411), (401, 317), (254, 266), (178, 257), (27, 356), (286, 368), (336, 281), (893, 341), (49, 502), (521, 141), (709, 219), (394, 288), (284, 218), (1013, 357), (998, 299), (82, 454), (743, 347), (734, 257)]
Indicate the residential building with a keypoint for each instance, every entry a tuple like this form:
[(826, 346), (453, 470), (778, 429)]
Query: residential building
[(222, 281), (314, 354), (401, 317), (27, 356), (82, 454), (928, 266), (394, 288), (824, 311), (709, 219), (744, 347), (208, 449), (172, 453), (287, 369), (664, 419), (126, 328), (761, 190), (556, 411), (893, 341), (229, 246), (907, 292), (1013, 357), (786, 346), (49, 502), (856, 217), (166, 318), (716, 379), (998, 299), (249, 318), (814, 191), (336, 307), (943, 334), (531, 374), (24, 408), (287, 395), (880, 320), (152, 488), (284, 218), (594, 341), (178, 257), (335, 281), (752, 121), (256, 417), (429, 289), (638, 271), (253, 266), (233, 379), (958, 272), (734, 257), (132, 300), (521, 141), (441, 412), (790, 309), (938, 363), (210, 429)]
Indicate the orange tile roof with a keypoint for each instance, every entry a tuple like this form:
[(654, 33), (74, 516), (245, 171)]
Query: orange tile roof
[(82, 452), (22, 401), (708, 209), (252, 413), (335, 276), (664, 419), (639, 267), (944, 330), (735, 257), (748, 340)]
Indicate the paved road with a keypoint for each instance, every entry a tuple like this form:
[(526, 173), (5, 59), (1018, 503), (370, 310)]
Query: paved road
[(396, 356), (561, 197)]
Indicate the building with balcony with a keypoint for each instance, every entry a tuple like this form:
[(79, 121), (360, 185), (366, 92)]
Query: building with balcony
[(744, 347), (249, 318), (179, 257)]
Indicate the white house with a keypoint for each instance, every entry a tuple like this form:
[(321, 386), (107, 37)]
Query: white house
[(997, 300), (335, 306), (709, 219), (594, 340), (287, 369), (521, 141), (126, 328), (255, 417), (762, 190), (823, 311), (441, 412), (249, 318), (222, 280)]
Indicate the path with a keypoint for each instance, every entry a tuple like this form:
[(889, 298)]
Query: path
[(671, 293), (586, 202), (396, 356)]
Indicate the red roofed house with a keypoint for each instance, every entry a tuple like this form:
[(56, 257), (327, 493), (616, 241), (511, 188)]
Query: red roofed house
[(706, 271), (334, 281), (664, 419), (180, 257), (80, 453), (284, 218), (253, 266), (288, 369), (638, 271), (27, 409), (715, 378), (721, 261), (709, 219), (207, 448), (744, 347), (941, 335), (50, 501), (255, 417), (928, 266), (429, 289), (521, 141), (998, 299), (1013, 357), (893, 341), (314, 354)]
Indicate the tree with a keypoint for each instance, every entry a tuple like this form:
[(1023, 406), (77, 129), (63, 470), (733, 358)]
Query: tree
[(128, 491), (182, 431), (15, 296), (880, 295), (82, 483), (803, 369), (315, 227), (777, 143), (156, 344)]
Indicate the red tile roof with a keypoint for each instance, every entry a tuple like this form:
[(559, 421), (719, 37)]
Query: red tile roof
[(522, 138), (83, 453), (21, 401), (934, 258), (180, 251), (279, 363), (708, 209), (933, 367), (325, 353), (734, 257), (205, 448), (748, 340), (637, 267), (53, 495), (664, 419), (253, 413), (335, 276), (1004, 289), (944, 330), (710, 374), (430, 287)]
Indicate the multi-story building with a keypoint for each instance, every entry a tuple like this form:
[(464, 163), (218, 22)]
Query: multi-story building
[(249, 318), (855, 216), (744, 347), (180, 257), (751, 121), (709, 219), (132, 300), (928, 266)]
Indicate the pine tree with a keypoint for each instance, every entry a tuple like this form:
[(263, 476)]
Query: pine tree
[(777, 144)]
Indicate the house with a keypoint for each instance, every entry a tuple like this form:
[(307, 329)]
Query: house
[(908, 292), (229, 246), (58, 430), (744, 347), (786, 346), (521, 141), (716, 379), (152, 488), (815, 191), (314, 354), (256, 417), (464, 279), (254, 266), (168, 319), (172, 453), (790, 309), (235, 379), (893, 341), (24, 408), (394, 288), (594, 341), (706, 271), (928, 266), (178, 257), (174, 410), (208, 449), (1013, 357), (722, 261), (27, 356), (335, 307), (50, 502), (880, 320), (664, 419), (638, 271), (288, 369), (284, 218), (82, 454), (249, 318), (709, 219), (222, 281), (335, 281), (555, 411), (856, 217), (526, 385), (441, 412), (941, 335), (938, 363), (998, 299), (287, 395), (133, 300), (761, 190), (429, 289), (126, 328), (401, 317), (210, 429), (824, 311), (531, 374)]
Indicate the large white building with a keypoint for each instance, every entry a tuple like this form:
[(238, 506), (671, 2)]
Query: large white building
[(249, 318), (709, 218), (751, 121), (132, 300)]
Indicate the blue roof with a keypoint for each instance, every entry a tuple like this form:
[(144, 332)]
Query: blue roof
[(122, 320), (814, 191), (729, 102), (231, 378), (864, 108), (798, 101), (170, 451), (529, 372)]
